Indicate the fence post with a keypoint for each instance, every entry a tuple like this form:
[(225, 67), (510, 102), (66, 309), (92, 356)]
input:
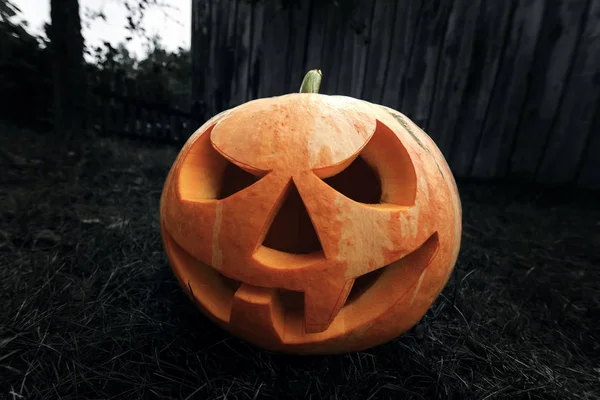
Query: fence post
[(200, 55)]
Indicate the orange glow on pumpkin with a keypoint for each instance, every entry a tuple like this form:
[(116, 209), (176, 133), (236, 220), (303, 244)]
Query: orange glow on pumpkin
[(309, 223)]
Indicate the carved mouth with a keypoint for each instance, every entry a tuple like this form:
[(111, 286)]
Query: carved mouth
[(298, 223), (376, 291)]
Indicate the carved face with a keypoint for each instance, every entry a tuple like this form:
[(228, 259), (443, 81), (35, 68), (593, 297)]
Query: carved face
[(310, 223)]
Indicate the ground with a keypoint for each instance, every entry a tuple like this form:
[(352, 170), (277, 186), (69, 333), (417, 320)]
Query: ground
[(92, 310)]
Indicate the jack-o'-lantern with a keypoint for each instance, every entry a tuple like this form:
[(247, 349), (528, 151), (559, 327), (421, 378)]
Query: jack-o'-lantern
[(309, 223)]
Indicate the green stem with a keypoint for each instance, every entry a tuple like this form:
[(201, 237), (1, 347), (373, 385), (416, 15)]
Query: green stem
[(311, 81)]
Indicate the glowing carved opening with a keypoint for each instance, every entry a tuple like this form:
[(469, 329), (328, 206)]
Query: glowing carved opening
[(205, 174), (383, 172), (233, 180), (358, 182), (292, 230)]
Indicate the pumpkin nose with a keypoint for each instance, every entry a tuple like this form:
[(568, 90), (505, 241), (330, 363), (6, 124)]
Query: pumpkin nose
[(292, 230)]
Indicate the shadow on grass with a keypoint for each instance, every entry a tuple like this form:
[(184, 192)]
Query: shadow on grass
[(90, 308)]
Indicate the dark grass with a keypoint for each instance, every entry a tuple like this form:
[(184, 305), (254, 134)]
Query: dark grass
[(90, 308)]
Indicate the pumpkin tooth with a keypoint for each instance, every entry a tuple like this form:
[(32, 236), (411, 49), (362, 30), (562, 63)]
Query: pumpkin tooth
[(323, 302), (257, 313)]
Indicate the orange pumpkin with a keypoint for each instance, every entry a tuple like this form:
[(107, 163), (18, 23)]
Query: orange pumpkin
[(309, 223)]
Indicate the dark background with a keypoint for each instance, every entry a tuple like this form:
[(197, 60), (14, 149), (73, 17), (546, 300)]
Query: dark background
[(509, 90)]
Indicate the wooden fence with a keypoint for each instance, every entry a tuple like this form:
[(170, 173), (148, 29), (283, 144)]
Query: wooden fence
[(117, 106), (506, 88)]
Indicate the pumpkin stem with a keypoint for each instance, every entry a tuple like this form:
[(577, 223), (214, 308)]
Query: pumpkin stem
[(311, 81)]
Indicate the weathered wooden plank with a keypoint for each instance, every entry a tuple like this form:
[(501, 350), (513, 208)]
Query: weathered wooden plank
[(230, 10), (423, 64), (343, 75), (275, 42), (242, 54), (362, 44), (553, 57), (225, 52), (576, 113), (200, 53), (493, 153), (379, 50), (589, 175), (403, 38), (490, 37), (255, 73), (454, 62), (317, 31), (213, 60), (356, 45), (299, 26), (220, 57), (229, 65), (333, 47)]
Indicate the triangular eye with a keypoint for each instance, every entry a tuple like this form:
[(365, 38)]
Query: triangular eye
[(205, 174), (233, 180), (358, 182), (383, 172)]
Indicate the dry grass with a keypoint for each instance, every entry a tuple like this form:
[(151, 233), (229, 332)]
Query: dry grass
[(90, 308)]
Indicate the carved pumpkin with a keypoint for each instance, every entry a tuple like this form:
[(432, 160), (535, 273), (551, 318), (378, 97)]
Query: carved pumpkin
[(309, 223)]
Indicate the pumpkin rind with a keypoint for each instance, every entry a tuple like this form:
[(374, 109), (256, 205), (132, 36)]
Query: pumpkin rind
[(293, 143)]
